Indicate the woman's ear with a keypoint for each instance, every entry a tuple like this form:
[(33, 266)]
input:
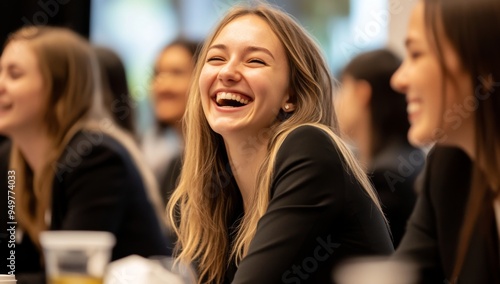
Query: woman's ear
[(289, 105)]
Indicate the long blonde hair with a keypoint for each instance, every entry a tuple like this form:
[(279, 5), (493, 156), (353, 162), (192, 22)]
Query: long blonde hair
[(74, 102), (199, 207)]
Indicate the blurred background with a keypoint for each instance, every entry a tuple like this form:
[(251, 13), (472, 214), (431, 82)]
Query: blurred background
[(138, 29)]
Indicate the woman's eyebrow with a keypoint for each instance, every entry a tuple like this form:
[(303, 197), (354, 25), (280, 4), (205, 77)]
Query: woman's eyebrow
[(251, 48)]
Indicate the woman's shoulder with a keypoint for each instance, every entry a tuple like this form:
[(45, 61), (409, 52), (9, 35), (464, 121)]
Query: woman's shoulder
[(309, 144), (88, 142), (309, 139), (311, 134), (448, 171), (92, 148), (308, 130)]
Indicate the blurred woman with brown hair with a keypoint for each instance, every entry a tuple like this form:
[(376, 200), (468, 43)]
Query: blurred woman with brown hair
[(73, 168), (163, 144), (373, 116), (451, 78), (117, 98)]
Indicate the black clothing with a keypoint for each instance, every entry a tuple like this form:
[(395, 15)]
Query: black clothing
[(318, 216), (170, 179), (5, 146), (433, 230), (98, 187), (393, 173)]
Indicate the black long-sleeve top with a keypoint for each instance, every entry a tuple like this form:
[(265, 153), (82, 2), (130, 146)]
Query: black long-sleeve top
[(98, 187), (433, 231), (318, 216)]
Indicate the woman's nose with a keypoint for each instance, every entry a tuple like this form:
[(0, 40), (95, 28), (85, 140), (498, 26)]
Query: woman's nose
[(162, 82), (399, 80), (229, 72)]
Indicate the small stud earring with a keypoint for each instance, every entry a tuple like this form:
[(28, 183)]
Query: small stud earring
[(287, 106)]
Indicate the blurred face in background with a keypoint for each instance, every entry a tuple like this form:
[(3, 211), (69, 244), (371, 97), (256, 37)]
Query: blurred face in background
[(22, 95), (433, 115), (170, 86), (352, 104)]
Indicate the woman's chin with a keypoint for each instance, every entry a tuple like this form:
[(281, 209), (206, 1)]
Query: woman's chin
[(419, 137)]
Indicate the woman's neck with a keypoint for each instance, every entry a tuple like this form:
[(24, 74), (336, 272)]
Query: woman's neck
[(465, 139), (466, 142), (463, 136), (246, 157), (34, 146)]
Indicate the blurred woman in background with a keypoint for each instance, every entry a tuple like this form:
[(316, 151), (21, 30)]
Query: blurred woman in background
[(451, 78), (163, 144), (373, 116), (117, 98), (74, 169)]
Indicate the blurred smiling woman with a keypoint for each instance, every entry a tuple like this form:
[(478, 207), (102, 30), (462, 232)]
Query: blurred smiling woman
[(75, 170), (451, 78)]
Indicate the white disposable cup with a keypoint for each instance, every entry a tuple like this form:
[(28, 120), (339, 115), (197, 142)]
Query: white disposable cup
[(376, 270), (7, 279), (79, 254)]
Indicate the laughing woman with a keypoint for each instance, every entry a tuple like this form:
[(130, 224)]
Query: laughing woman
[(74, 169), (451, 80), (268, 192)]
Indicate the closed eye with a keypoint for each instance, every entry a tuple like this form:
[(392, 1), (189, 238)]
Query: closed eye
[(415, 55), (210, 59), (259, 61), (15, 75), (413, 52), (12, 72)]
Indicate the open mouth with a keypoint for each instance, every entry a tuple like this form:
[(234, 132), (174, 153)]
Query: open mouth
[(226, 99), (413, 106)]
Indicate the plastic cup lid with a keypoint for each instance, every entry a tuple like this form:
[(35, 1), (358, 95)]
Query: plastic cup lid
[(76, 239)]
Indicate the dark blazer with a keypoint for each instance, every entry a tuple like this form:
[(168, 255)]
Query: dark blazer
[(433, 230), (393, 172), (98, 187), (5, 146), (318, 216), (171, 178)]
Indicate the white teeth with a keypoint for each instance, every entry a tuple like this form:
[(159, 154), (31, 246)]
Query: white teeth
[(413, 107), (230, 96)]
